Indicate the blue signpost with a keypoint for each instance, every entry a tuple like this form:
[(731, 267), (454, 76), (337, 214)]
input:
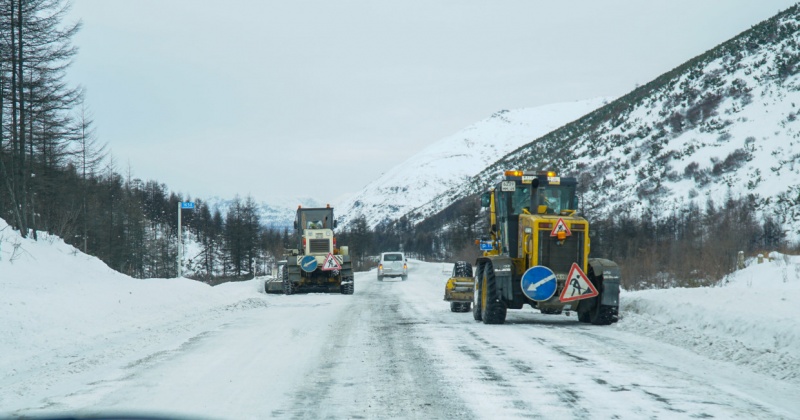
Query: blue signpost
[(539, 283), (182, 205)]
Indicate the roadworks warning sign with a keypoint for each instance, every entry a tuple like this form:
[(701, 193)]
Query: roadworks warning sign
[(577, 286), (560, 227), (331, 263)]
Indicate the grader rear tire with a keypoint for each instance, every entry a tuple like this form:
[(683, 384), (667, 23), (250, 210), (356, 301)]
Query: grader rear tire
[(598, 314)]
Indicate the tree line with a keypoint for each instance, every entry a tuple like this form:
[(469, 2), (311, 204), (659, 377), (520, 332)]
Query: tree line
[(688, 247), (56, 176)]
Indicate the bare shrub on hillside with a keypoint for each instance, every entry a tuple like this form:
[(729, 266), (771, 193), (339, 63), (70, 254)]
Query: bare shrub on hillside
[(687, 248)]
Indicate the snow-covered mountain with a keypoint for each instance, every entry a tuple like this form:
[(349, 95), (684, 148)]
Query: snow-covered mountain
[(277, 212), (453, 160), (726, 122)]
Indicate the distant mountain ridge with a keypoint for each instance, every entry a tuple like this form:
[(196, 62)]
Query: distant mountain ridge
[(724, 123), (453, 160), (276, 213)]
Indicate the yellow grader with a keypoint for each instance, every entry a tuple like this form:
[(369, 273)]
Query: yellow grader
[(537, 253)]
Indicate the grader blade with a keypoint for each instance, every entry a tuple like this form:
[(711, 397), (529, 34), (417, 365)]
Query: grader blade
[(273, 286), (459, 289)]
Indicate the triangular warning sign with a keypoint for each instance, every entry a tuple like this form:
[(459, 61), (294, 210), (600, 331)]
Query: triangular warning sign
[(577, 286), (560, 227), (331, 263)]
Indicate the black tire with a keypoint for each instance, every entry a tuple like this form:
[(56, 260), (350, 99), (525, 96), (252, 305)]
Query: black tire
[(603, 314), (476, 294), (349, 288), (288, 287), (462, 269), (583, 316), (493, 311), (460, 306), (599, 314)]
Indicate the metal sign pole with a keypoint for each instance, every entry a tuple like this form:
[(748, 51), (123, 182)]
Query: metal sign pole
[(188, 205), (180, 242)]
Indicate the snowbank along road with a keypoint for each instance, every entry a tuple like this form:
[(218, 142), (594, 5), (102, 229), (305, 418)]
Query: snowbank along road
[(392, 350)]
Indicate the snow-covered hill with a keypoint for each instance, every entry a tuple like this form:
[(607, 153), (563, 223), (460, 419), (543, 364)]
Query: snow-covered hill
[(726, 122), (742, 320), (453, 160)]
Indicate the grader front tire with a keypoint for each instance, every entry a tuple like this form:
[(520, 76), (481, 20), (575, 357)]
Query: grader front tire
[(476, 301), (493, 311)]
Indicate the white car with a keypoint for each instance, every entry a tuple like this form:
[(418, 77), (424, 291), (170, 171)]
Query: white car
[(392, 264)]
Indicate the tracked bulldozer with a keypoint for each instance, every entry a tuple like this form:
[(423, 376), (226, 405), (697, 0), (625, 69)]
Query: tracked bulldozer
[(537, 254)]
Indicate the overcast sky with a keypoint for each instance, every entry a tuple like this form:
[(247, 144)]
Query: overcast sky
[(318, 98)]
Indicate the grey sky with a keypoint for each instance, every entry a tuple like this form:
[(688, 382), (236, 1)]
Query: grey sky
[(318, 98)]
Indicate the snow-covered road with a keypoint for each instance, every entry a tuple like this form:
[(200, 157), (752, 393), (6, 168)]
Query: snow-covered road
[(392, 350)]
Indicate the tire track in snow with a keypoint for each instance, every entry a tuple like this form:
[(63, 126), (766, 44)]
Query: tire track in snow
[(373, 366)]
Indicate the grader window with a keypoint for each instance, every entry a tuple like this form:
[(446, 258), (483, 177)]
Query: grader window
[(555, 199), (315, 218), (521, 199)]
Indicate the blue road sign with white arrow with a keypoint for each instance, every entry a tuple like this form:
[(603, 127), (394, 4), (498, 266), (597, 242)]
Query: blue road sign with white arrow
[(539, 283), (308, 263), (186, 205)]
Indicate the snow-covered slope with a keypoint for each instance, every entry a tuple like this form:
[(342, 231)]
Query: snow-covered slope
[(726, 122), (53, 295), (749, 319), (455, 159), (65, 314)]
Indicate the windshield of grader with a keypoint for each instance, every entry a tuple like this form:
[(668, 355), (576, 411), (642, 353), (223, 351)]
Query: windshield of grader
[(520, 199), (556, 198), (315, 219)]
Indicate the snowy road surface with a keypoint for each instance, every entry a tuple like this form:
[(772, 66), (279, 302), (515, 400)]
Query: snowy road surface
[(392, 350)]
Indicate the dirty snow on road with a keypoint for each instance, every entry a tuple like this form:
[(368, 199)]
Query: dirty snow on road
[(81, 339)]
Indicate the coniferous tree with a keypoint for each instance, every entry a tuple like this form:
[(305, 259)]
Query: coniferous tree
[(35, 51)]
